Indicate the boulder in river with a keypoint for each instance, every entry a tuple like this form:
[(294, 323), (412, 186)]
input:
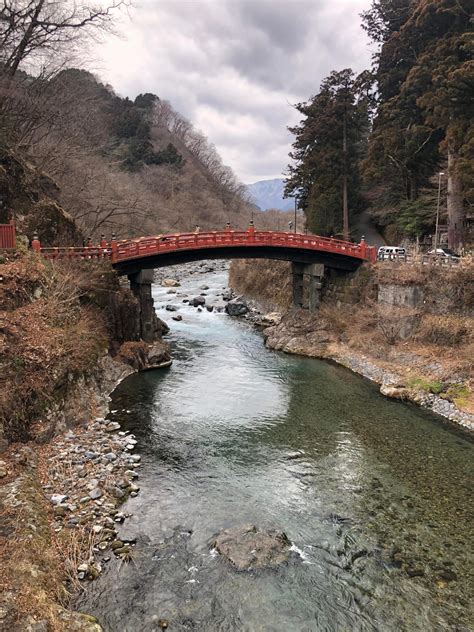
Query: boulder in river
[(170, 283), (197, 301), (158, 353), (170, 308), (247, 548), (236, 307)]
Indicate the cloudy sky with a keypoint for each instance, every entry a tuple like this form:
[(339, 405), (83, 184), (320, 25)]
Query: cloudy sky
[(234, 67)]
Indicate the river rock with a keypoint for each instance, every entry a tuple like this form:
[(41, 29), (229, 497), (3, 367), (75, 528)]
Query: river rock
[(58, 499), (178, 317), (197, 301), (170, 283), (158, 353), (171, 308), (112, 426), (394, 391), (246, 547), (3, 469), (272, 319), (236, 307)]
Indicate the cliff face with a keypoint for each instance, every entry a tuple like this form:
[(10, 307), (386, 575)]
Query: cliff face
[(30, 198), (61, 326)]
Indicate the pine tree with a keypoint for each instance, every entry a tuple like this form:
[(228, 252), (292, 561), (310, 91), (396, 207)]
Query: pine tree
[(327, 148)]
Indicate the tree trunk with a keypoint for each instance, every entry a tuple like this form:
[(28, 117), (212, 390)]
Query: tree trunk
[(345, 205), (456, 211), (25, 41)]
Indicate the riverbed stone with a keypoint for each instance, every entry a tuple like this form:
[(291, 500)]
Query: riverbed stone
[(197, 301), (170, 283), (58, 499), (246, 547), (112, 426), (236, 307)]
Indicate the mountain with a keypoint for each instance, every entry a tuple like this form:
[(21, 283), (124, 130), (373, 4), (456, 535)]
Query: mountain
[(267, 194)]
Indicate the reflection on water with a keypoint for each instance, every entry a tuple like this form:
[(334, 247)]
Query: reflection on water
[(374, 494)]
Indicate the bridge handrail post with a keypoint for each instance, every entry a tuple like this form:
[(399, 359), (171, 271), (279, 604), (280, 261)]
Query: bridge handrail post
[(36, 244), (363, 247), (113, 249)]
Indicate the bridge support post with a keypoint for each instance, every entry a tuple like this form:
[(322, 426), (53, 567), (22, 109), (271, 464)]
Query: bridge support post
[(297, 271), (313, 273), (140, 284)]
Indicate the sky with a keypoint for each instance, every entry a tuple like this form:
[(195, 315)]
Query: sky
[(235, 67)]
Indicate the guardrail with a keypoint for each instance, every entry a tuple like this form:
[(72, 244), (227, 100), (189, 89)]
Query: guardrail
[(431, 260)]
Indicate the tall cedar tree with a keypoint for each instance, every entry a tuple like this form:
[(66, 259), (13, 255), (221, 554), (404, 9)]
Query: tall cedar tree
[(424, 73), (329, 143)]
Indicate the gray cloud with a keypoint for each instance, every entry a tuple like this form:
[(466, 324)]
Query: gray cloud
[(234, 67)]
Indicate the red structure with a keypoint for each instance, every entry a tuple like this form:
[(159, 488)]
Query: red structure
[(7, 236), (134, 250)]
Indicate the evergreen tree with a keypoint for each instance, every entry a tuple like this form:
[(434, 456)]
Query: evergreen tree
[(329, 143), (424, 117)]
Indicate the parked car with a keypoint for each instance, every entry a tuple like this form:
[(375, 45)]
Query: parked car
[(443, 252), (391, 252)]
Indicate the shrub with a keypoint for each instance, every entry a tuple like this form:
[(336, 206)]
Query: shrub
[(445, 331)]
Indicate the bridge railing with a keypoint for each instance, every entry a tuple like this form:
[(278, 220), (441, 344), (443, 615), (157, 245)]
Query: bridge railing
[(85, 252), (145, 246), (184, 241)]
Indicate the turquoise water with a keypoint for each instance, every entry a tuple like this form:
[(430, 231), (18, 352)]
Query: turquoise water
[(375, 495)]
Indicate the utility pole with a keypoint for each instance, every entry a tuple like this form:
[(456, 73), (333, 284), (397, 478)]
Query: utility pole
[(440, 174), (345, 205), (296, 206)]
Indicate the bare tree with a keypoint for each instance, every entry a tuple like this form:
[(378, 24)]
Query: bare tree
[(32, 29)]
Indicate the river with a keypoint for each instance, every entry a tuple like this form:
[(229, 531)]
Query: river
[(374, 494)]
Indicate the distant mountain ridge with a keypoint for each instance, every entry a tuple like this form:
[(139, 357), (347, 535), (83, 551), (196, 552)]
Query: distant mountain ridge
[(267, 194)]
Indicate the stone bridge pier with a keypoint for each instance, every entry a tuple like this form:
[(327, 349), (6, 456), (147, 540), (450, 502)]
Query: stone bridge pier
[(310, 276), (140, 284)]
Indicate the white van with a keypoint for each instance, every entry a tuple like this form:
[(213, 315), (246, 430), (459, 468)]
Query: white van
[(391, 252)]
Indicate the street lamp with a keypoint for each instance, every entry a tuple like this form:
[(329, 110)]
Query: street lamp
[(440, 174)]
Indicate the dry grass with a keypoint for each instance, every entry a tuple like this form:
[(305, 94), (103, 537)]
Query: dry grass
[(269, 282), (445, 331), (57, 331)]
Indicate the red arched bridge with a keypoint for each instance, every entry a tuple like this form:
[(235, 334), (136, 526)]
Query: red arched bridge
[(309, 254), (131, 255)]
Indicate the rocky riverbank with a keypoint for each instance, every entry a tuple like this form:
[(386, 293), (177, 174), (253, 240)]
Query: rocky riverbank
[(68, 337), (61, 506), (416, 350), (300, 333)]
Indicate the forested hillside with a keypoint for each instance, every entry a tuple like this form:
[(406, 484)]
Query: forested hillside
[(116, 165), (391, 137)]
